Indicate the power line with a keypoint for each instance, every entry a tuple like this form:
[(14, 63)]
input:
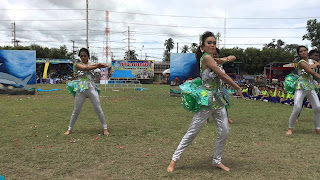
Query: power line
[(202, 27), (159, 15), (163, 25), (44, 19)]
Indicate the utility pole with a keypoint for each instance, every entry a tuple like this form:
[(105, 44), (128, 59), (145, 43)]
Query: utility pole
[(128, 39), (177, 47), (225, 31), (72, 49), (15, 41), (141, 51), (87, 24)]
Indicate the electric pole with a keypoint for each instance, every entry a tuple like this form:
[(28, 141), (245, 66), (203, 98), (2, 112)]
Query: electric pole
[(128, 39), (225, 31), (177, 47), (87, 24), (15, 41), (72, 49)]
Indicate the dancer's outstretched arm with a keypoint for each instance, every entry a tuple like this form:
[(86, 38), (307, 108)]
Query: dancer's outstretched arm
[(305, 66), (209, 61)]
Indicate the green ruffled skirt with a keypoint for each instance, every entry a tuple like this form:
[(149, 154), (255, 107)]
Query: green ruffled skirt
[(195, 97)]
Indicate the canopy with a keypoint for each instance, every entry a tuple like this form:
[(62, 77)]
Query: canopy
[(167, 71)]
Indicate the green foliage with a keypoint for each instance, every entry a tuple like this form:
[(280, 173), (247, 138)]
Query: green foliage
[(168, 44), (166, 56), (194, 47), (131, 55), (313, 28), (253, 60), (185, 49)]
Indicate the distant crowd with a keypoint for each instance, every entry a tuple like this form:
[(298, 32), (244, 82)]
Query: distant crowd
[(270, 93)]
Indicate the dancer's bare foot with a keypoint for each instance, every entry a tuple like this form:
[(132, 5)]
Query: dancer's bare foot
[(289, 132), (171, 166), (68, 132), (105, 132), (317, 131), (230, 121), (221, 166)]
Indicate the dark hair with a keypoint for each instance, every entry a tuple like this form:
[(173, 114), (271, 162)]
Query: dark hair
[(313, 52), (84, 50), (203, 37), (298, 49), (218, 51)]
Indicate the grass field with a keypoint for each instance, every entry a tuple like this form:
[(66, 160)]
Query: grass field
[(146, 127)]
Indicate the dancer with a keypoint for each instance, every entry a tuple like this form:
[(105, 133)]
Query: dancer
[(305, 88), (211, 76), (84, 87), (313, 55), (220, 62)]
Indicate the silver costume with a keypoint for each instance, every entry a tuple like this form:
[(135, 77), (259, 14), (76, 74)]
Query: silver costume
[(87, 89), (305, 88), (219, 114)]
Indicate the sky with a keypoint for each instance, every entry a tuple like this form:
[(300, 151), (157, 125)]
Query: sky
[(243, 24)]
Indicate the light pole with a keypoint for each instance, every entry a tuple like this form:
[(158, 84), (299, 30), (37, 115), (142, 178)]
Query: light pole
[(141, 51)]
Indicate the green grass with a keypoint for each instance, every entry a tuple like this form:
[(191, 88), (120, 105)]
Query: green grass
[(151, 122)]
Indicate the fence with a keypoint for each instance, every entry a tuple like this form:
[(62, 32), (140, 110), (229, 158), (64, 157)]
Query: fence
[(123, 84)]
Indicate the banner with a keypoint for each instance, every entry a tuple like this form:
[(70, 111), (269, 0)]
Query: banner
[(104, 75), (132, 69), (183, 66), (54, 61), (17, 72)]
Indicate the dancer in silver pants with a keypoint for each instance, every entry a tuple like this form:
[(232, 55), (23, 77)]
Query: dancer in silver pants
[(312, 96), (80, 97), (221, 120)]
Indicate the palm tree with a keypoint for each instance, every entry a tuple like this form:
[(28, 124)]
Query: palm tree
[(131, 55), (185, 49), (194, 47), (169, 44), (166, 56)]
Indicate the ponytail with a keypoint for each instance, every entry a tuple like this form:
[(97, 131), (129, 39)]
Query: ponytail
[(198, 56)]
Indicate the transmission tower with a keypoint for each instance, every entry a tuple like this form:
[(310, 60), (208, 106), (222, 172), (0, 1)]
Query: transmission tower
[(107, 31)]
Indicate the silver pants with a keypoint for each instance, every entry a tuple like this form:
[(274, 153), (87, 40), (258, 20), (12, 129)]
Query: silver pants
[(312, 96), (80, 97), (221, 120)]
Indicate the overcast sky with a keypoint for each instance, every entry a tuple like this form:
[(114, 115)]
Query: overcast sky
[(246, 23)]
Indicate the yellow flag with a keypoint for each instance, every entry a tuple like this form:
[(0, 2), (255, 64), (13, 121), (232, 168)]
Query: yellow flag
[(45, 72)]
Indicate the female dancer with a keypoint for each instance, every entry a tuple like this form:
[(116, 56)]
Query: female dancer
[(211, 76), (220, 62), (85, 87), (305, 88)]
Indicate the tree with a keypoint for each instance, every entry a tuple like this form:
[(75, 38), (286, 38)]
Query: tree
[(313, 28), (185, 49), (131, 55), (274, 44), (168, 44), (194, 47), (166, 56), (40, 51), (292, 48), (253, 62)]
